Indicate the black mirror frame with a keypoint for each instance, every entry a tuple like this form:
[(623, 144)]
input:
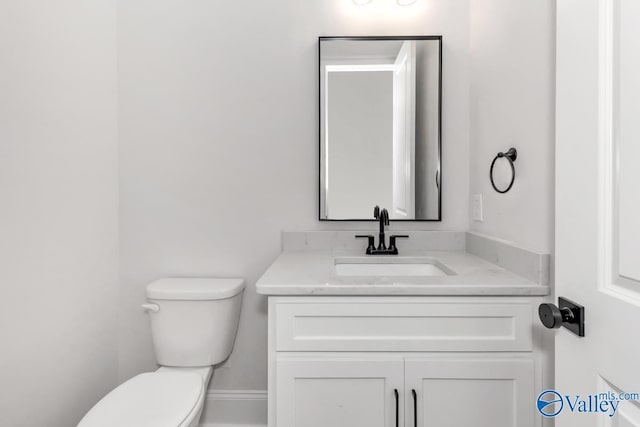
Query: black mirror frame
[(440, 174)]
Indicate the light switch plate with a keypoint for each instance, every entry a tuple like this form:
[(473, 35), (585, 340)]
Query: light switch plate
[(477, 208)]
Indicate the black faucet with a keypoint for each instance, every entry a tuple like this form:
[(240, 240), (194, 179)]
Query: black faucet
[(382, 215)]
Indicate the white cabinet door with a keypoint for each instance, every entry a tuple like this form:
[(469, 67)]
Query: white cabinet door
[(323, 391), (469, 392)]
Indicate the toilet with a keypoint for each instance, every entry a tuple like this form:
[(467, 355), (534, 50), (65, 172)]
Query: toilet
[(193, 327)]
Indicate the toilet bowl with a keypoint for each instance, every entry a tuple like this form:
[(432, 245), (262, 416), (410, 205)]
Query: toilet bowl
[(193, 325)]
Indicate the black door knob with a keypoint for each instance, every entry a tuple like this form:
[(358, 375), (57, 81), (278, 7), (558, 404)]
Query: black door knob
[(552, 317), (567, 313)]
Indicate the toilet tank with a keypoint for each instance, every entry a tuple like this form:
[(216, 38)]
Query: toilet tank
[(193, 320)]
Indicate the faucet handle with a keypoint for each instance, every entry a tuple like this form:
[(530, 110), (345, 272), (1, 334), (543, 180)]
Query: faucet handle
[(371, 244), (392, 240)]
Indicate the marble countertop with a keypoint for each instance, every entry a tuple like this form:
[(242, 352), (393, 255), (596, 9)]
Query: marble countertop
[(313, 273)]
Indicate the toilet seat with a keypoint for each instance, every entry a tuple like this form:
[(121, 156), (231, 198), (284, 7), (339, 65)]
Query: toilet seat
[(165, 398)]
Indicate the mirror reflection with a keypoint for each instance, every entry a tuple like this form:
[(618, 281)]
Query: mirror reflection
[(380, 102)]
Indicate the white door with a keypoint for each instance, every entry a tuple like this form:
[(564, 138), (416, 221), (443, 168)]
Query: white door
[(322, 391), (598, 210), (469, 392), (404, 134)]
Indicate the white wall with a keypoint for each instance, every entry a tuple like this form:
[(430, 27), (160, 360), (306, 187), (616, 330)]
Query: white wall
[(218, 154), (218, 132), (58, 209), (360, 117), (513, 104)]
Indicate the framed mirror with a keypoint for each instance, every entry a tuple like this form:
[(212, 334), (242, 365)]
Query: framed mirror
[(380, 127)]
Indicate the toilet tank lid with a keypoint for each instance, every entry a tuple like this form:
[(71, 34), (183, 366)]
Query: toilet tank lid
[(188, 288)]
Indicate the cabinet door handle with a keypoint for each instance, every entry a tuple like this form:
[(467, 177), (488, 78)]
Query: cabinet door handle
[(415, 407), (395, 392)]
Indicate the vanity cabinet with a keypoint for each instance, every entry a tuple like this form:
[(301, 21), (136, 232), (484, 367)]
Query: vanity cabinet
[(403, 361), (361, 391)]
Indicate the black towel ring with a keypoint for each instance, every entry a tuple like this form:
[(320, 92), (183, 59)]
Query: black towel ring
[(511, 155)]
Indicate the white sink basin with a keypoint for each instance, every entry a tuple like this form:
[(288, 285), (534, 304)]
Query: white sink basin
[(413, 266)]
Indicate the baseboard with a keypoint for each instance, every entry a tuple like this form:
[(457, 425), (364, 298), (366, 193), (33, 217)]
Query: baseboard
[(235, 408)]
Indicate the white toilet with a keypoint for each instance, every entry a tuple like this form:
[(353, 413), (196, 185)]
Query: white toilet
[(193, 326)]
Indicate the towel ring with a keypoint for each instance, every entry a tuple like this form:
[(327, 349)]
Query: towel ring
[(511, 155)]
